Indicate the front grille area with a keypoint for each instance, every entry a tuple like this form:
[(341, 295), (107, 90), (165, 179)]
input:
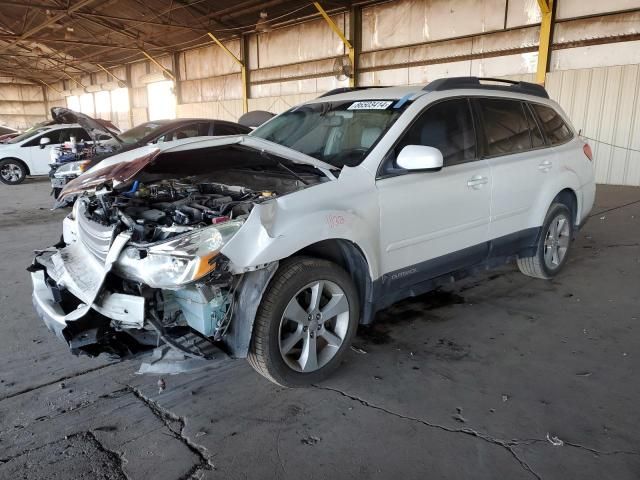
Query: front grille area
[(95, 237)]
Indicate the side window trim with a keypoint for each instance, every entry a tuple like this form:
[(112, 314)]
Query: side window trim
[(536, 120), (537, 117), (381, 174), (524, 105)]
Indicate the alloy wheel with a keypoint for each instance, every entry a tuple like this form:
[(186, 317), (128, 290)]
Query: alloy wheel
[(313, 326), (11, 172), (556, 242)]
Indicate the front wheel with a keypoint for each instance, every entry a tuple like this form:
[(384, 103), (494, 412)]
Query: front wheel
[(12, 172), (305, 323), (553, 245)]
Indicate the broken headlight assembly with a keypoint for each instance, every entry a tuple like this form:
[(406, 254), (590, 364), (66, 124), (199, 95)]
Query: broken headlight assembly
[(181, 260)]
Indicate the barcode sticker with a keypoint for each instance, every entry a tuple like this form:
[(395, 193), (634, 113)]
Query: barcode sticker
[(370, 105)]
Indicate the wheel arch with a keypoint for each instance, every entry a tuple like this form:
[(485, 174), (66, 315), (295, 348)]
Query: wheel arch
[(568, 197), (19, 160), (352, 259), (564, 188)]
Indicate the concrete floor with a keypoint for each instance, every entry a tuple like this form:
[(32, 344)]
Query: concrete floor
[(471, 382)]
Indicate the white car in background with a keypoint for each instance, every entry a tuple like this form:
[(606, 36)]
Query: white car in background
[(30, 153)]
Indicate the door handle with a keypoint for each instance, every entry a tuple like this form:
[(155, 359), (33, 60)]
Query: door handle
[(545, 166), (477, 181)]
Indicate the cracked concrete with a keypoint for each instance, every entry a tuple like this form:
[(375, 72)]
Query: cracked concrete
[(167, 417), (462, 384), (508, 445)]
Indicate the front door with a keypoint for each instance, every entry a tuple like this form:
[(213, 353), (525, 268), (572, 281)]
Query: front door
[(432, 223)]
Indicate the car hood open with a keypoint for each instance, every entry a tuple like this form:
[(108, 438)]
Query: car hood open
[(188, 157), (93, 126)]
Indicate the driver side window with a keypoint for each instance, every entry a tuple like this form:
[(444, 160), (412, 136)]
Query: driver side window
[(447, 126), (52, 135)]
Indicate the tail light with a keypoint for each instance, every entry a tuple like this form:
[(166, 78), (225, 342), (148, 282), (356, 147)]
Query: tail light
[(587, 151)]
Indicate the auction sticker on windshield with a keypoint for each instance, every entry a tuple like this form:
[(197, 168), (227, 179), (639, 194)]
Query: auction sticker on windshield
[(370, 105)]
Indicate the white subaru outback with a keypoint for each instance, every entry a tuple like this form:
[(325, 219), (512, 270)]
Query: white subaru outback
[(276, 245)]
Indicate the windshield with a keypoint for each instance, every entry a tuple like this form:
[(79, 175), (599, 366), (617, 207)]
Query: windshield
[(28, 134), (136, 134), (339, 133)]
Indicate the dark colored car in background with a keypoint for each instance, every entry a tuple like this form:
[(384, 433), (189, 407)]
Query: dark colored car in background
[(147, 133)]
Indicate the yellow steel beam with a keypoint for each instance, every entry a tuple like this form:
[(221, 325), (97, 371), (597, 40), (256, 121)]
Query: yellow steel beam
[(159, 65), (545, 6), (111, 75), (49, 86), (544, 46), (347, 43), (73, 79), (243, 72)]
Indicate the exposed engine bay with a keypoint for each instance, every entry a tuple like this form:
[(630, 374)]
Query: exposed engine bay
[(141, 263), (162, 210), (169, 283)]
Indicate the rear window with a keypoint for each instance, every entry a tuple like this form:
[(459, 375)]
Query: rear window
[(553, 126), (506, 126)]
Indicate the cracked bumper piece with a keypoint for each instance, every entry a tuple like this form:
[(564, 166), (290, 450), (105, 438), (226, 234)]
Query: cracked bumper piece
[(90, 329)]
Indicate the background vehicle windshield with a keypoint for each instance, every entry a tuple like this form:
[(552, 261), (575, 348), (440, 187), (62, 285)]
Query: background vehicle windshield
[(339, 133), (28, 134), (137, 133)]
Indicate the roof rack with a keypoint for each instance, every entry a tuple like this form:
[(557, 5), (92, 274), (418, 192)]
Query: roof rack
[(336, 91), (512, 86)]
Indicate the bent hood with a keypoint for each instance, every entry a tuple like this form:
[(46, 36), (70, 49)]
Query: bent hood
[(188, 157), (93, 126)]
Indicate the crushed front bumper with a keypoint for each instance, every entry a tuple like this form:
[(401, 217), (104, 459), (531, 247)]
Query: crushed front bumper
[(70, 297)]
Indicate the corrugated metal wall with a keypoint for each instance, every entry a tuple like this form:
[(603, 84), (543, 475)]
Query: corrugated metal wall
[(603, 103), (21, 104), (593, 67)]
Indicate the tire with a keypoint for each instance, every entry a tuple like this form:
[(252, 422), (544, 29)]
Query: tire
[(12, 171), (56, 192), (552, 250), (288, 326)]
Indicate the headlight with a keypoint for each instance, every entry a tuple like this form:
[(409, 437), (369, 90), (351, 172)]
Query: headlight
[(72, 168), (178, 261)]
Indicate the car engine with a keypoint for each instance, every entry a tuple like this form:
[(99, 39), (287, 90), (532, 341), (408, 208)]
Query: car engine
[(159, 211)]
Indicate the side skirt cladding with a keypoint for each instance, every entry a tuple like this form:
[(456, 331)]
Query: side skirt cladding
[(423, 277)]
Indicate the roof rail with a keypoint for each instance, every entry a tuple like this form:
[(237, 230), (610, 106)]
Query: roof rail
[(336, 91), (512, 86)]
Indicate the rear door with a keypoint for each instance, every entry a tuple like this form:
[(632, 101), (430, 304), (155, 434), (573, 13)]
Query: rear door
[(519, 160), (432, 223)]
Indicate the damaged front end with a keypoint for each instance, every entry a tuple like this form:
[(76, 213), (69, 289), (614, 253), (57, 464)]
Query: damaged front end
[(140, 263)]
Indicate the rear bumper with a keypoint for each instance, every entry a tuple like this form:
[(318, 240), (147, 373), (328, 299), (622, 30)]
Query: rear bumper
[(588, 193)]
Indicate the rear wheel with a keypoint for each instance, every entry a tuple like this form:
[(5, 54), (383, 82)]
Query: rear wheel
[(305, 323), (12, 172), (553, 245)]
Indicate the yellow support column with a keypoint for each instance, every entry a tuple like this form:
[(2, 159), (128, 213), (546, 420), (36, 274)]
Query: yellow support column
[(243, 72), (544, 47), (350, 50), (120, 82), (159, 65)]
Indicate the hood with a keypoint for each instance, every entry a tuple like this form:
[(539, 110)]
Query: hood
[(188, 157), (93, 126)]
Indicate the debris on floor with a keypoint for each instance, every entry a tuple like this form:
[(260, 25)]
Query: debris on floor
[(555, 441), (310, 440)]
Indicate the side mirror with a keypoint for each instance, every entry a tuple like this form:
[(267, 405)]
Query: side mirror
[(420, 157), (44, 141)]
